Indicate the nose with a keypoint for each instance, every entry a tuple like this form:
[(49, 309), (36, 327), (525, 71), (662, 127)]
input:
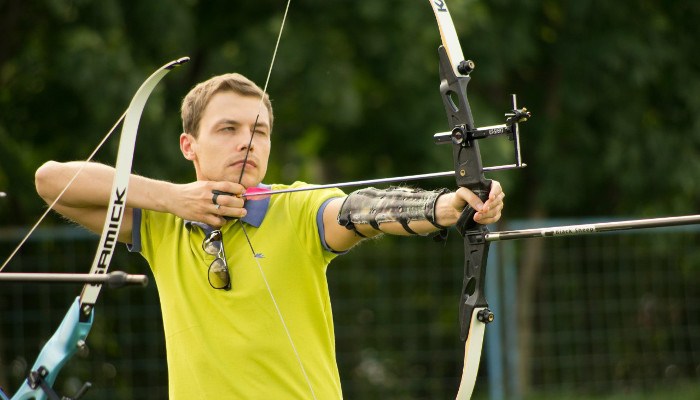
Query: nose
[(246, 144)]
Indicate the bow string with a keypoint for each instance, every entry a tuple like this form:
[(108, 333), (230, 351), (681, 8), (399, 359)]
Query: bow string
[(258, 256)]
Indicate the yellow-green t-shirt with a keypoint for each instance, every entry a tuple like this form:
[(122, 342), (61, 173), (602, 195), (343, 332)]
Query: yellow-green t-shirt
[(232, 344)]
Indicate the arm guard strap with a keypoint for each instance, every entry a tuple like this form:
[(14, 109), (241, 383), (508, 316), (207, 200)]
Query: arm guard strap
[(377, 206)]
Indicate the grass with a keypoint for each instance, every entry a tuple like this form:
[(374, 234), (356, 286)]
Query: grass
[(684, 391)]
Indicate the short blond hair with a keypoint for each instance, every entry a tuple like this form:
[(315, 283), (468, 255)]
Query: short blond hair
[(196, 101)]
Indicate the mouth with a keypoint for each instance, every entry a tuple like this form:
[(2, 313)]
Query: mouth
[(248, 164)]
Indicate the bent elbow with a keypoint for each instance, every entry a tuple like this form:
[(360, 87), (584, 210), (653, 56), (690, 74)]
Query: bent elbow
[(44, 180)]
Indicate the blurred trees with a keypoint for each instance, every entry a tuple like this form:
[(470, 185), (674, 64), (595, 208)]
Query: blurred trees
[(612, 87)]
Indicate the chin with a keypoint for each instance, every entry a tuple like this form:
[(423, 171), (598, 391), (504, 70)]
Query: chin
[(249, 182)]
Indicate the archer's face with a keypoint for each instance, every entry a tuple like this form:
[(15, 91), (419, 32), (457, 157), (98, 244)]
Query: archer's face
[(224, 134)]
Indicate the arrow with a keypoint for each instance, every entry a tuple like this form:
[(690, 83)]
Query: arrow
[(257, 193)]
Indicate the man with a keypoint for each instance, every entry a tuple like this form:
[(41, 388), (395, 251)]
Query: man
[(250, 317)]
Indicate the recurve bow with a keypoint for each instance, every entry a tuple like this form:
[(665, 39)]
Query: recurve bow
[(455, 71)]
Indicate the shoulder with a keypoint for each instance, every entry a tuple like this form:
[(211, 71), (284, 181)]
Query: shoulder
[(155, 223), (160, 217)]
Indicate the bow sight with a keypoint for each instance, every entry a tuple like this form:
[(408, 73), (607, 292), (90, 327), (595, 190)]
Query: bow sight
[(464, 134)]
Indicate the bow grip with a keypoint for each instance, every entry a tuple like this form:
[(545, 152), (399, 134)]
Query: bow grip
[(476, 248), (465, 222)]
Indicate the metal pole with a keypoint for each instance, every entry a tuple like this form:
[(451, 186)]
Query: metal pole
[(584, 229)]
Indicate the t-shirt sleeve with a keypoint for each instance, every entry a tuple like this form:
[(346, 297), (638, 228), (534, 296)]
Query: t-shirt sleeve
[(306, 207), (135, 245), (149, 230)]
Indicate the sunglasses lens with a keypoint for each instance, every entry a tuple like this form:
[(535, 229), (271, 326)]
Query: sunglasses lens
[(219, 277), (218, 274), (211, 246)]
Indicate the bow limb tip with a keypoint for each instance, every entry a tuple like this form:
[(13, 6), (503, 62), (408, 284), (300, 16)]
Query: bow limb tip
[(472, 354), (177, 63)]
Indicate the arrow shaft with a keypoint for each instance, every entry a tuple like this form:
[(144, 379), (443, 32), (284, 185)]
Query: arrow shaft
[(354, 183), (378, 181)]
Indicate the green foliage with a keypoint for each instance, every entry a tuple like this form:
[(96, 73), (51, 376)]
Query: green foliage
[(612, 86), (616, 133)]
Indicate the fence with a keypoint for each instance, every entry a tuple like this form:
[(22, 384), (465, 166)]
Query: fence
[(601, 314), (590, 316)]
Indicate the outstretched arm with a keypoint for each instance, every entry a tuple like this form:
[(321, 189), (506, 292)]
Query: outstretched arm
[(448, 208)]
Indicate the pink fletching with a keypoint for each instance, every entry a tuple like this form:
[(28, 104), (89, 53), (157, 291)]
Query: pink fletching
[(256, 193)]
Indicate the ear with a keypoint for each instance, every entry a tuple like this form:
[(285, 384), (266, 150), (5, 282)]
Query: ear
[(188, 145)]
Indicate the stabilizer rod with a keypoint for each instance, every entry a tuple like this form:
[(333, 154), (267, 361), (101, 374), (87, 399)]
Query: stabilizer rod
[(584, 229), (114, 279)]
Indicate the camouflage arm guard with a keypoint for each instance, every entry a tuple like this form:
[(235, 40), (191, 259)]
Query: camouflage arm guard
[(377, 206)]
